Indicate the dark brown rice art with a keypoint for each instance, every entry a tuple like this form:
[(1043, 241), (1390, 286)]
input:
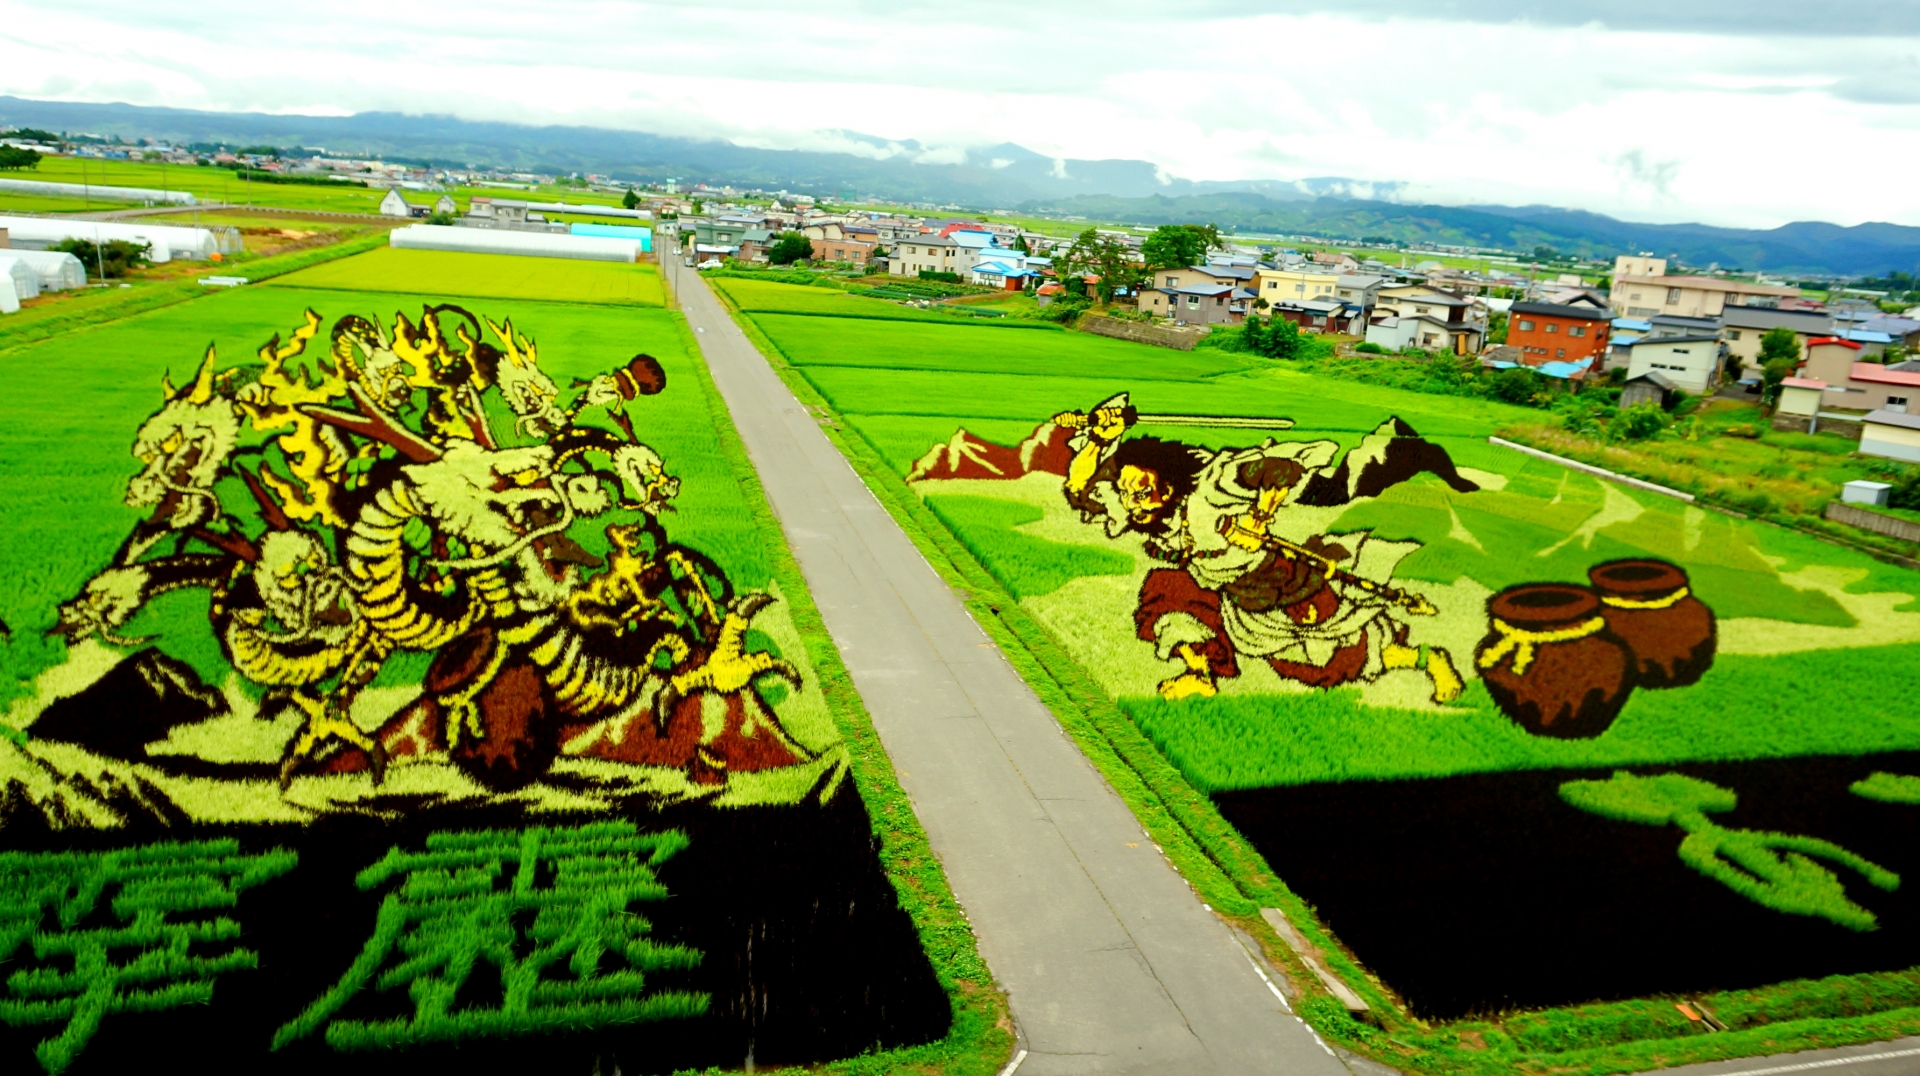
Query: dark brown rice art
[(1550, 663), (1650, 605)]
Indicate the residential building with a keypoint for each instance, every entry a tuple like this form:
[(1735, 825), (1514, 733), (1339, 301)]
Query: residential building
[(1466, 319), (1297, 282), (1396, 332), (1643, 265), (1360, 289), (1673, 325), (1189, 275), (393, 205), (1691, 363), (1321, 315), (1648, 388), (1552, 332), (929, 253), (973, 246), (1195, 304), (1691, 296), (1742, 328), (1892, 434), (1856, 385), (1336, 261), (1007, 274), (842, 250), (753, 244)]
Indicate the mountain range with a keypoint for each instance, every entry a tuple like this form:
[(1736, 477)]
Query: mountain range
[(1005, 177)]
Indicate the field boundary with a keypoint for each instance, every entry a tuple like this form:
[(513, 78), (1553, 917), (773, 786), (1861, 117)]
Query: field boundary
[(1632, 1038), (1597, 472)]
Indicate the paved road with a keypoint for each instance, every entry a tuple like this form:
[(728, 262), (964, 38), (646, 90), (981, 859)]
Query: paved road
[(1901, 1057), (1110, 961)]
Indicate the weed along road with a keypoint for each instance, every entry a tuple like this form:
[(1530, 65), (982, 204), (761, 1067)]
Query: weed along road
[(1111, 963)]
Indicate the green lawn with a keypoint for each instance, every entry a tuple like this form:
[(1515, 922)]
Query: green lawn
[(764, 296), (488, 276), (208, 184)]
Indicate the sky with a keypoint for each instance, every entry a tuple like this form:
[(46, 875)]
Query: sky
[(1748, 114)]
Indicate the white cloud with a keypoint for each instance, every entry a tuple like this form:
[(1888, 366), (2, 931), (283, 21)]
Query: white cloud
[(1637, 121)]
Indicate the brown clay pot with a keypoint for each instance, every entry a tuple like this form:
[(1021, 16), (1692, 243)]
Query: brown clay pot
[(1572, 686), (1649, 607)]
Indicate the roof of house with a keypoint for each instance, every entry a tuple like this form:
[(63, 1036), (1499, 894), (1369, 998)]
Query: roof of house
[(1049, 289), (1633, 324), (1655, 377), (1893, 418), (1558, 310), (1802, 383), (1311, 306), (1199, 289), (1867, 336), (1707, 283), (1691, 338), (1910, 364), (755, 235), (1564, 370), (1685, 322), (1760, 317), (1891, 323), (1824, 341), (1882, 375), (1359, 280), (930, 240)]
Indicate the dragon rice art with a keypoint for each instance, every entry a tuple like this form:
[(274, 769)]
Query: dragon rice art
[(411, 488)]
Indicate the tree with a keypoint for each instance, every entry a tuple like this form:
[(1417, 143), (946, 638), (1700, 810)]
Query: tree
[(631, 199), (789, 247), (1180, 244), (1779, 357), (1497, 327), (12, 157), (1278, 338), (119, 255), (1515, 385), (31, 134), (1102, 256), (1020, 244)]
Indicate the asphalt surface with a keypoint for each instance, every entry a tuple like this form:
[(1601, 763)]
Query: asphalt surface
[(1900, 1057), (1111, 962)]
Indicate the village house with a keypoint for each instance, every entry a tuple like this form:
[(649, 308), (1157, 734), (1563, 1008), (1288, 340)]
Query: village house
[(1336, 261), (1199, 303), (1892, 434), (1322, 315), (1397, 332), (842, 250), (1359, 289), (1856, 385), (1465, 319), (1742, 328), (1296, 282), (1551, 332), (924, 253), (1641, 289), (1691, 363), (753, 245)]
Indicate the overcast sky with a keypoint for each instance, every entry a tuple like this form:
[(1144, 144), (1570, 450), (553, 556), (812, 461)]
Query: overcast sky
[(1748, 113)]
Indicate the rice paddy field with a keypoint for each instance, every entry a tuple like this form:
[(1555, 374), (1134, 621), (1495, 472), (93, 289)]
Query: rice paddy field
[(1507, 893), (487, 276), (585, 750)]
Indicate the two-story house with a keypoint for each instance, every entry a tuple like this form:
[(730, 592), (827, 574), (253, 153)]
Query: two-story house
[(924, 253), (1555, 332)]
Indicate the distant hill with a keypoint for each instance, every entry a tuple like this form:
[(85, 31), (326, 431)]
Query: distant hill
[(1807, 247), (1006, 176)]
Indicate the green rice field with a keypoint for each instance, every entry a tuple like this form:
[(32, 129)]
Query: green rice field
[(1814, 656), (487, 276)]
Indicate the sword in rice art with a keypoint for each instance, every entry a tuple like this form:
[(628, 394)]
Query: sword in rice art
[(1136, 417)]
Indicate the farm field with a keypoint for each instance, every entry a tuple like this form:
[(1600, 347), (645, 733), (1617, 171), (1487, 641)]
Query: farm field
[(484, 276), (208, 184), (1502, 853), (769, 297), (624, 707)]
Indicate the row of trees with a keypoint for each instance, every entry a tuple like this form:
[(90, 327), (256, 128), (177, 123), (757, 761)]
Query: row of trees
[(1111, 260)]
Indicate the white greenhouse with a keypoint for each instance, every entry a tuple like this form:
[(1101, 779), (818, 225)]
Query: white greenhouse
[(527, 244), (55, 271), (9, 299), (97, 193), (168, 241), (26, 282)]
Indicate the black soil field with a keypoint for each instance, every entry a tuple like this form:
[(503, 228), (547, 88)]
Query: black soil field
[(1470, 895)]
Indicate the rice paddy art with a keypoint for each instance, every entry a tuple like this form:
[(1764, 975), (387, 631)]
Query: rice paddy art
[(425, 699)]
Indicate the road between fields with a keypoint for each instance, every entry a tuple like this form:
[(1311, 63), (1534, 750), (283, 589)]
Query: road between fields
[(1111, 963)]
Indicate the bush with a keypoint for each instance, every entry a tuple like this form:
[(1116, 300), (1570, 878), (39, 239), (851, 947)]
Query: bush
[(15, 157), (443, 219), (120, 256), (1905, 492), (1370, 349), (788, 248), (1517, 385), (1641, 422), (1065, 308), (943, 277)]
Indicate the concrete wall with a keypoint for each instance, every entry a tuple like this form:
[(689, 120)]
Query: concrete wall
[(1873, 521), (1157, 335)]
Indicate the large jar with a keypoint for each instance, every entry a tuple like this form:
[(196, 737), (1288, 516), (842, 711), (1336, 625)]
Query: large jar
[(1550, 663), (1650, 607)]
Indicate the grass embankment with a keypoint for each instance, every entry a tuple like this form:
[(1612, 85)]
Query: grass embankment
[(66, 426), (1160, 762), (488, 276)]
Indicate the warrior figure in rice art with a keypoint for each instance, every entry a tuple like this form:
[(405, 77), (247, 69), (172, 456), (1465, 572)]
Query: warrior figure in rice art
[(1236, 587)]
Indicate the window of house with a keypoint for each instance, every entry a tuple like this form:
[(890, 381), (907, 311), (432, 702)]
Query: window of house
[(1634, 295), (1526, 326), (1193, 301), (1733, 334), (1559, 353), (1173, 282), (1673, 296), (1551, 327), (1419, 309), (1299, 289), (1576, 330), (1896, 403)]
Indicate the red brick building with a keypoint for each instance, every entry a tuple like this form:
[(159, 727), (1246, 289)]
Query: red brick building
[(1550, 332)]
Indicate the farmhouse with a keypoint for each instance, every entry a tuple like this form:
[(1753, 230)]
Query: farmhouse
[(393, 205), (1692, 363), (924, 253), (1195, 304), (1641, 289), (1742, 328)]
